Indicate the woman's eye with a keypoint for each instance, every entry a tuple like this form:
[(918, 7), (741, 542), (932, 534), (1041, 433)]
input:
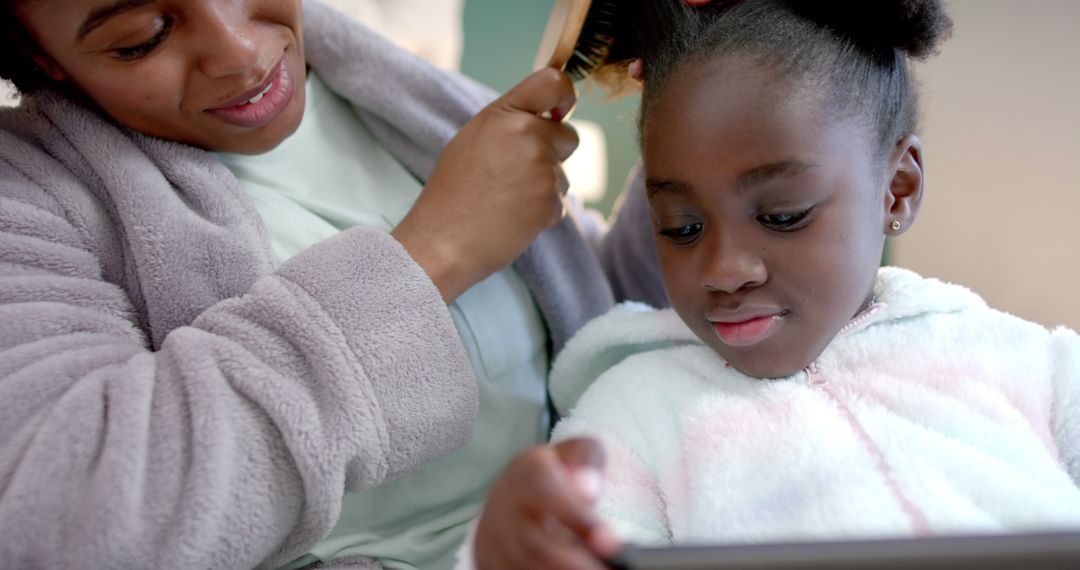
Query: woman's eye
[(682, 234), (783, 222), (144, 49)]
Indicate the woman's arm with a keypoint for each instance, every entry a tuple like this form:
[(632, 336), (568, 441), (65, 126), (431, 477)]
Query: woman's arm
[(229, 440), (232, 444)]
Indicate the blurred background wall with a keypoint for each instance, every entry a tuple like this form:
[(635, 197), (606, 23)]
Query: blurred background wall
[(431, 29), (1001, 127)]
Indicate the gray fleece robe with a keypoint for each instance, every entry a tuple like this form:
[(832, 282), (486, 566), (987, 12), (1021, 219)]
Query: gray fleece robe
[(169, 398)]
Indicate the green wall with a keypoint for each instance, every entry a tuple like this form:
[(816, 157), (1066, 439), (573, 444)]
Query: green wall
[(501, 38)]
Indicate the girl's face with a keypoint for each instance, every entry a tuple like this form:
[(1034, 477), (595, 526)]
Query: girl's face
[(221, 75), (770, 218)]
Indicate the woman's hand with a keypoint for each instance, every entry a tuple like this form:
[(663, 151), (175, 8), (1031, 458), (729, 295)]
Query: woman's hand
[(539, 513), (496, 186)]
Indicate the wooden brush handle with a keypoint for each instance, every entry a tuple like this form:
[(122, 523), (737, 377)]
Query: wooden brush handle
[(561, 34)]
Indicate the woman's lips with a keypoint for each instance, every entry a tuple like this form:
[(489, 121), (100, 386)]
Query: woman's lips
[(262, 105), (748, 332)]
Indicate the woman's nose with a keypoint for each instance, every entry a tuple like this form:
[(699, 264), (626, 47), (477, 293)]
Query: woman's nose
[(229, 43), (730, 265)]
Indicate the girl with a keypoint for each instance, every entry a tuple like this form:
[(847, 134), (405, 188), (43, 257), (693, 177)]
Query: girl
[(229, 295), (795, 391)]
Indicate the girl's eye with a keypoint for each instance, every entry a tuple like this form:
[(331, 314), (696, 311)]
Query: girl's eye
[(783, 222), (682, 235), (144, 49)]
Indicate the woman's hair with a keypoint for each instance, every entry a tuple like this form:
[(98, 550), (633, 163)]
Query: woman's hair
[(854, 53), (16, 45)]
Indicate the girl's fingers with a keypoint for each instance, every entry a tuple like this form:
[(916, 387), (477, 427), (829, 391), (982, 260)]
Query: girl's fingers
[(552, 547), (544, 485), (580, 453), (603, 541), (540, 511)]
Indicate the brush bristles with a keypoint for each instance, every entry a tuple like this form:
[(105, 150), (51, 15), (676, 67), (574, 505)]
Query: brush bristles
[(594, 42)]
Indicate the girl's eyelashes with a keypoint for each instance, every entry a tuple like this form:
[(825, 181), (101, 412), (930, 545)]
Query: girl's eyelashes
[(144, 49), (784, 222), (682, 235), (687, 234)]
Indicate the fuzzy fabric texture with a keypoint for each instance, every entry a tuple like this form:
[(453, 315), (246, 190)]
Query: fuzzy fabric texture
[(169, 398), (930, 414)]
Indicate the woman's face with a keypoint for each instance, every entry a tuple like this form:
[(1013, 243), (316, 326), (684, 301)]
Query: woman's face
[(770, 217), (224, 75)]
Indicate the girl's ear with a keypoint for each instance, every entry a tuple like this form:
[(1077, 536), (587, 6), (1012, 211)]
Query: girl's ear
[(904, 196)]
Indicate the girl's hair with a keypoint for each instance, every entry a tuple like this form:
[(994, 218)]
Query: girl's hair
[(854, 53), (17, 45)]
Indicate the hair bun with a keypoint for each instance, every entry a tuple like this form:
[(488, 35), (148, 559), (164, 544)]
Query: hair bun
[(915, 27)]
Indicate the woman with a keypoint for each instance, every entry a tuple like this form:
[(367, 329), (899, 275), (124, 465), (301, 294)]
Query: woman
[(187, 382)]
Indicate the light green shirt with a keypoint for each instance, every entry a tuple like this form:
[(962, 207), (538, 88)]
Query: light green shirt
[(332, 175)]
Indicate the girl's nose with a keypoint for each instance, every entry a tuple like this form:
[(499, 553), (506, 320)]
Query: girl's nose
[(731, 266), (229, 44)]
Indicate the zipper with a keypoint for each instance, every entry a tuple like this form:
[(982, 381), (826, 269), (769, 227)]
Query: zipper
[(815, 378), (872, 309)]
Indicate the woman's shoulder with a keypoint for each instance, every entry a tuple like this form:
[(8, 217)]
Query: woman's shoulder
[(21, 131), (25, 161), (39, 114), (54, 156)]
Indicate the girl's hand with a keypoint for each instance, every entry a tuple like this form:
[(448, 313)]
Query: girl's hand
[(496, 186), (539, 513)]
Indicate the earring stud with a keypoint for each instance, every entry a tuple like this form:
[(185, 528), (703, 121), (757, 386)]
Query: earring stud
[(895, 225)]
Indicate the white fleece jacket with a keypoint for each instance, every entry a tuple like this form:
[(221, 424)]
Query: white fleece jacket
[(930, 413)]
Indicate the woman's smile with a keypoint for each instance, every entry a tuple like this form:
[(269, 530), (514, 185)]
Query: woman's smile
[(261, 105)]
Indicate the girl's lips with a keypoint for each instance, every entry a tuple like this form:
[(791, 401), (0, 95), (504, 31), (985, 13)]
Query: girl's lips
[(748, 332), (264, 105)]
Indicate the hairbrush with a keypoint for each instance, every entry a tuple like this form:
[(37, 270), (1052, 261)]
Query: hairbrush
[(578, 36)]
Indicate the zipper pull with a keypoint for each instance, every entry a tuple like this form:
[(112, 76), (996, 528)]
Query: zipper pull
[(814, 376)]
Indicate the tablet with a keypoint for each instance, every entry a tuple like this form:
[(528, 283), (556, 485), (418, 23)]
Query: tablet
[(1044, 551)]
